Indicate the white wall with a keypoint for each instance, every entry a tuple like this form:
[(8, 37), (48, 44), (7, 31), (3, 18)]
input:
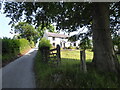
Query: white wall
[(56, 41), (59, 40)]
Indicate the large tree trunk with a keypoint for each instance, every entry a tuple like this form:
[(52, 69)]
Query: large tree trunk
[(104, 56)]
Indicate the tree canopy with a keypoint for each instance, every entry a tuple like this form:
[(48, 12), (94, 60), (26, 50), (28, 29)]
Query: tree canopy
[(25, 30), (68, 15), (41, 29)]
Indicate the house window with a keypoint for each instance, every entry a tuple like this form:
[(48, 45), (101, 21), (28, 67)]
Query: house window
[(53, 44), (74, 44), (53, 38)]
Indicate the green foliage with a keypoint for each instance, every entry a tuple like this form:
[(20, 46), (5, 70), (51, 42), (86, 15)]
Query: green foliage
[(85, 43), (67, 15), (41, 29), (11, 48), (25, 30), (51, 28), (23, 44), (44, 43), (32, 44), (73, 38), (69, 75)]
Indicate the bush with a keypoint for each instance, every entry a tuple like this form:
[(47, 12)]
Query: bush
[(44, 43), (14, 46), (23, 45), (32, 45), (10, 46)]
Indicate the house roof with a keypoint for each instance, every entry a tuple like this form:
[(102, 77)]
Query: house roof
[(50, 34)]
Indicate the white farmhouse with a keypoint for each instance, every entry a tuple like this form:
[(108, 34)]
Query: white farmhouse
[(59, 39)]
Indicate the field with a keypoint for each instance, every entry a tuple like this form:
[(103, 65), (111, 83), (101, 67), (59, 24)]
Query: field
[(75, 54), (69, 75)]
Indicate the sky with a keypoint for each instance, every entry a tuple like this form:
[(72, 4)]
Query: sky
[(4, 27)]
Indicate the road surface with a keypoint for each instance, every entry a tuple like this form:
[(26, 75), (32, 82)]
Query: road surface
[(19, 73)]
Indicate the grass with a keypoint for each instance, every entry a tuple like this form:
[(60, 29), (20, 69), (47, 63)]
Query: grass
[(72, 54), (75, 54), (69, 75)]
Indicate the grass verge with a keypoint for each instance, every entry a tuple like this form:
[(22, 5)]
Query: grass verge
[(69, 75)]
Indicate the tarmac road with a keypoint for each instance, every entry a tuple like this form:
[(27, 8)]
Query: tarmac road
[(19, 73)]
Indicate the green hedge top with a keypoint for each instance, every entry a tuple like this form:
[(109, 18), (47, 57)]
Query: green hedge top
[(44, 43), (14, 46)]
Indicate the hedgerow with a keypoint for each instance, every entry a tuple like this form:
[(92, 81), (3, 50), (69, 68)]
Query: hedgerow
[(32, 44), (44, 43), (12, 47)]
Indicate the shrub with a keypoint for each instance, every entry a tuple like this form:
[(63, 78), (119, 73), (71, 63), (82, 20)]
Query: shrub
[(13, 47), (23, 45), (32, 45), (44, 43), (10, 46)]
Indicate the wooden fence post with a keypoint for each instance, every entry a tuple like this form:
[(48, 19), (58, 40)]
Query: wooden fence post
[(83, 63), (45, 54), (58, 54)]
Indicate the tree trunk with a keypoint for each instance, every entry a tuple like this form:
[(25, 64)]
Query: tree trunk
[(104, 56)]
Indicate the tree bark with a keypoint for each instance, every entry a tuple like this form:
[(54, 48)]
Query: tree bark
[(104, 56)]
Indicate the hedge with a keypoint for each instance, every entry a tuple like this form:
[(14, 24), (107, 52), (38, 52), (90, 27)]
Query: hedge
[(10, 46), (32, 45), (23, 45), (14, 46), (44, 43)]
